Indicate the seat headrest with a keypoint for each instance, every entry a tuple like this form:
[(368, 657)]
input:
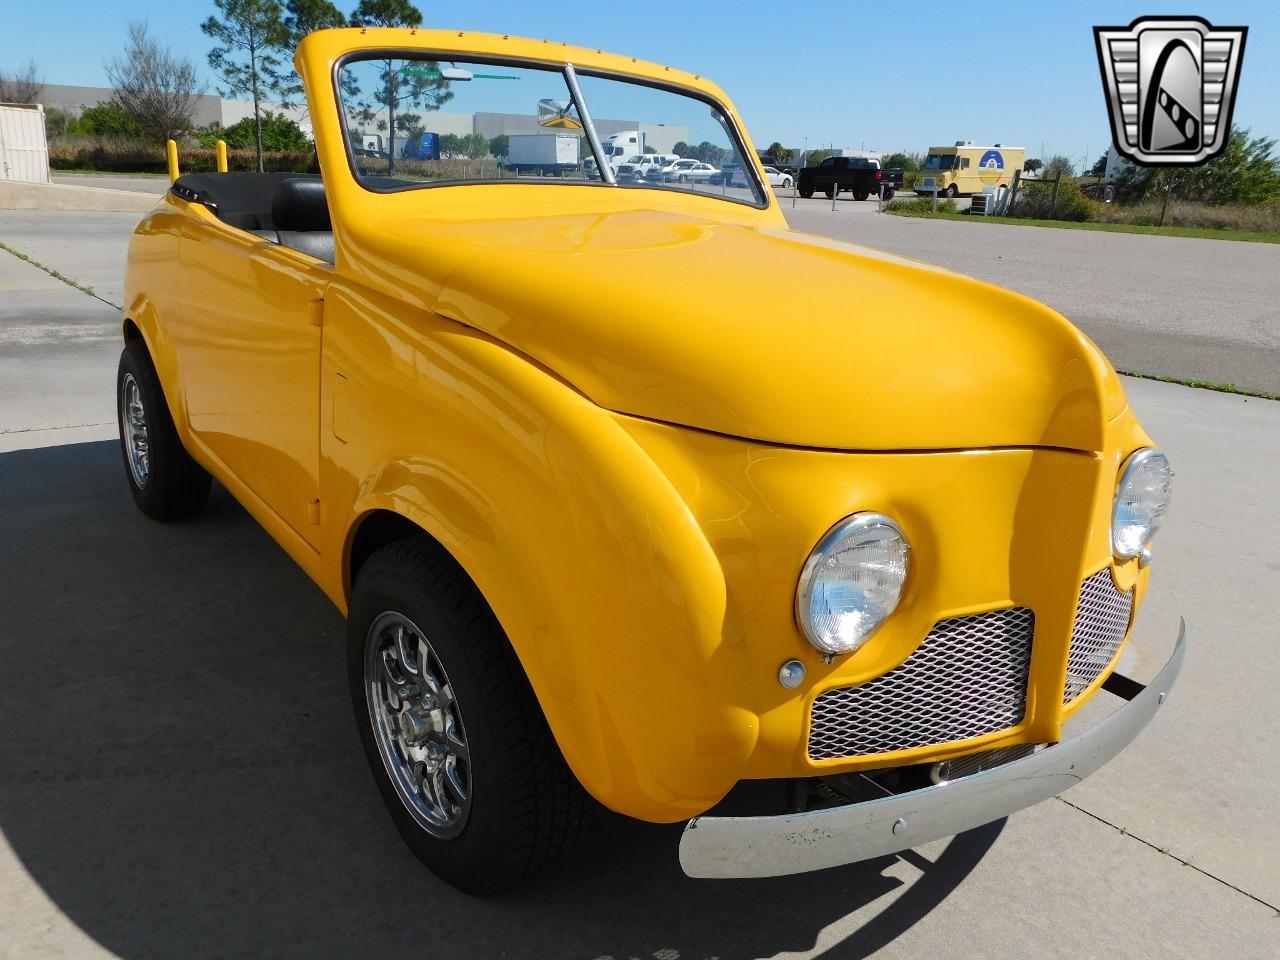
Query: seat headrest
[(299, 204)]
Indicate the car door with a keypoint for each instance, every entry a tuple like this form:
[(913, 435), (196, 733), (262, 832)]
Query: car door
[(826, 172), (250, 356)]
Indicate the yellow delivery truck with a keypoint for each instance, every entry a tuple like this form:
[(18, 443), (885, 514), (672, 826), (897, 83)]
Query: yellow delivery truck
[(966, 168)]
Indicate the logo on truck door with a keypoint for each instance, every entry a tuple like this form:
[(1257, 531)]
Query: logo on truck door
[(1171, 85)]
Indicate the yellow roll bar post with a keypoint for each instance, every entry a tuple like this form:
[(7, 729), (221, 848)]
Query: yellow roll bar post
[(172, 149), (222, 156)]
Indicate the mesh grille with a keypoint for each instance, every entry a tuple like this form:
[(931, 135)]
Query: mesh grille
[(967, 678), (1102, 620)]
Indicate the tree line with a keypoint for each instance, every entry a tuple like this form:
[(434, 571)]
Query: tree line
[(156, 91), (254, 44)]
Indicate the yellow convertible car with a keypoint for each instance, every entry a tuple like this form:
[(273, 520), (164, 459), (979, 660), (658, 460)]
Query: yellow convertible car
[(628, 491)]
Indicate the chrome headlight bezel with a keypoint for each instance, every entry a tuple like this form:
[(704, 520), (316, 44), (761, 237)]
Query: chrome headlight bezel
[(838, 537), (1123, 546)]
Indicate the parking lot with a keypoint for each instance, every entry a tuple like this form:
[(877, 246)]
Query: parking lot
[(179, 774)]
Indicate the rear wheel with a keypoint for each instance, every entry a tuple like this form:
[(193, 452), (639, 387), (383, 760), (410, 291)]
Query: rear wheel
[(165, 482), (860, 194), (831, 192), (460, 750), (806, 192)]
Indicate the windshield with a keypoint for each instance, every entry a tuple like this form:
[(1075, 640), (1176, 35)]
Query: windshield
[(940, 161), (418, 122)]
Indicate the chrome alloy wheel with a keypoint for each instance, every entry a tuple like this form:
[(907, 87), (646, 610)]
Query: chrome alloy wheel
[(417, 725), (133, 422)]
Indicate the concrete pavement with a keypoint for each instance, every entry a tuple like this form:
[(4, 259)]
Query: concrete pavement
[(58, 348), (179, 771), (136, 183)]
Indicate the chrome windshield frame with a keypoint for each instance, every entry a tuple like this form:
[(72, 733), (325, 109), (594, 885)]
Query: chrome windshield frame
[(606, 169)]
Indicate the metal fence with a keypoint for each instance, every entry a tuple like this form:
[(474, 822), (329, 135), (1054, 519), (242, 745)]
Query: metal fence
[(24, 151)]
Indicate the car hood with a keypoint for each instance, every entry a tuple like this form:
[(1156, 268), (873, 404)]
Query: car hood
[(776, 336)]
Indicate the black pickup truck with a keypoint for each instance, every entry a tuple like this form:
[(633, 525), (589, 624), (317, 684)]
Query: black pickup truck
[(861, 176)]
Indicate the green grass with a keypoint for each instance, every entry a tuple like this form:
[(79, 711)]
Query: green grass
[(1203, 384), (83, 288), (1202, 233)]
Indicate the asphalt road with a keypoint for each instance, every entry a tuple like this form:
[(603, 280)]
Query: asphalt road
[(1162, 306), (179, 772)]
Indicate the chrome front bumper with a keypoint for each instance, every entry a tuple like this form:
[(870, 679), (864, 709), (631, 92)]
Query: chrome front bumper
[(799, 842)]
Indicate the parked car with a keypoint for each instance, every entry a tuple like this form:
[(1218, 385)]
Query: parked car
[(861, 176), (786, 166), (695, 172), (735, 175), (639, 167), (728, 173), (777, 178), (672, 170), (739, 533)]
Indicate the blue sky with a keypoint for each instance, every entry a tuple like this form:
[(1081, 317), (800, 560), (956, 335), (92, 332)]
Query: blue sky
[(1014, 73)]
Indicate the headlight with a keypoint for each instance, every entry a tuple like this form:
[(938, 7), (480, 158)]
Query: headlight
[(851, 582), (1142, 496)]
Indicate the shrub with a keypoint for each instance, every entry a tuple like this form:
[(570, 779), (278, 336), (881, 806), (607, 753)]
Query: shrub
[(278, 133), (141, 157), (453, 168), (1183, 213), (106, 119), (1247, 172), (1036, 201), (920, 205)]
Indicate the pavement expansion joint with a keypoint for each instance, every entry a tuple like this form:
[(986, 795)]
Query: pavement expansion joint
[(1172, 856), (57, 275), (63, 426)]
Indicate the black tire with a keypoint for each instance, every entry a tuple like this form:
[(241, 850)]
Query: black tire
[(952, 192), (172, 485), (860, 194), (682, 178), (830, 192), (806, 192), (525, 805), (888, 194)]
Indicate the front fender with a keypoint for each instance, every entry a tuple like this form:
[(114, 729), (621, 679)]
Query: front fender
[(602, 579)]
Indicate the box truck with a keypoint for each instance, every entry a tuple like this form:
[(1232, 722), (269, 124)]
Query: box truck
[(965, 168), (542, 152)]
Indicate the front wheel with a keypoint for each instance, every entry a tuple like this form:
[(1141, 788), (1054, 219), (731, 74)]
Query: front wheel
[(831, 193), (786, 183), (860, 194), (952, 192), (165, 482), (460, 750)]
